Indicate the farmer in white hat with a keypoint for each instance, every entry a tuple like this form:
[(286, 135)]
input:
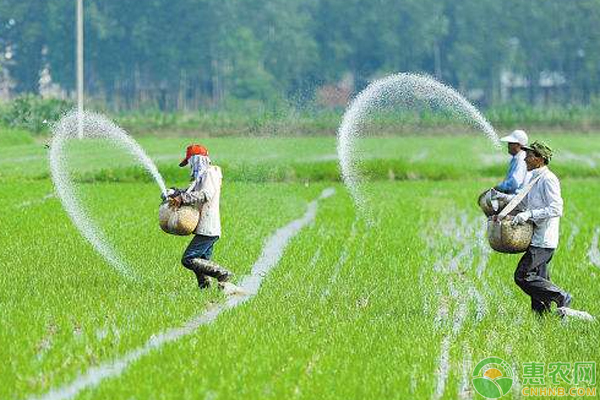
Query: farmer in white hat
[(517, 171), (204, 192)]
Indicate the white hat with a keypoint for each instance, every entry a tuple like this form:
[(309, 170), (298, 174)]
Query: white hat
[(517, 136)]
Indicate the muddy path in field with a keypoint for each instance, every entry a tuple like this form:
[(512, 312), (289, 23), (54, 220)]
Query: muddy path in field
[(271, 255)]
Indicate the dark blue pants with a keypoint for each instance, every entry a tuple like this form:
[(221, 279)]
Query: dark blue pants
[(533, 277), (200, 247)]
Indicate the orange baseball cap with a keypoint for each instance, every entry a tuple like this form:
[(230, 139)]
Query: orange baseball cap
[(193, 150)]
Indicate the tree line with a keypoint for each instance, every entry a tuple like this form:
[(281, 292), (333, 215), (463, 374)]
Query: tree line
[(185, 54)]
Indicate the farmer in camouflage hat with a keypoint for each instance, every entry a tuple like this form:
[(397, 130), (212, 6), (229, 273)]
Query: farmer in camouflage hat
[(540, 149), (543, 205)]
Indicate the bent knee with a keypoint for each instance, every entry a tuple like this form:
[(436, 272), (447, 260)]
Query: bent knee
[(186, 262), (519, 279)]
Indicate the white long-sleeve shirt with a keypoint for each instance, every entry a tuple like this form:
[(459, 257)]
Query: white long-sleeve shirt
[(206, 196), (546, 205)]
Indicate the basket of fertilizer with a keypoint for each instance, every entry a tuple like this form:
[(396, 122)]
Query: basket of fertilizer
[(181, 221), (504, 237), (488, 205)]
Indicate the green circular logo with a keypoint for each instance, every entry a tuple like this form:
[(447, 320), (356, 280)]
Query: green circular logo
[(492, 377)]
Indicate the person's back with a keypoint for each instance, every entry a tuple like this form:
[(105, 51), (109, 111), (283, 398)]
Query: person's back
[(210, 216)]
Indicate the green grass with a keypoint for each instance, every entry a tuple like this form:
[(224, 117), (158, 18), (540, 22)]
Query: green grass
[(293, 159), (351, 311), (10, 137), (49, 261)]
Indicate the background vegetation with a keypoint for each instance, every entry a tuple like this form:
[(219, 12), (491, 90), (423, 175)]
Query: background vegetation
[(273, 54)]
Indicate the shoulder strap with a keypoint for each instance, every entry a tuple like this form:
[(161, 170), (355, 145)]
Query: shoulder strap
[(519, 197)]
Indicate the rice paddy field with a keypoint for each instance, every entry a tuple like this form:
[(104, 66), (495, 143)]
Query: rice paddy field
[(403, 307)]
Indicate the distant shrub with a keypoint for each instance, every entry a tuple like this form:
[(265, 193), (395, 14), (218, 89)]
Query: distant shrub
[(278, 118), (32, 113), (519, 113)]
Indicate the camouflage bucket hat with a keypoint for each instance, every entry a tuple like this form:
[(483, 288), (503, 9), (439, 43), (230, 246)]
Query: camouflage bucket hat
[(541, 149)]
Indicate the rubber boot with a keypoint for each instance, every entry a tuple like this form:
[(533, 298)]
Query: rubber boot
[(203, 282), (210, 268)]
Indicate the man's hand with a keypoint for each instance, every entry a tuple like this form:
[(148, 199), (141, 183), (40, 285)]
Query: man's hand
[(496, 195), (521, 218), (171, 192), (175, 201)]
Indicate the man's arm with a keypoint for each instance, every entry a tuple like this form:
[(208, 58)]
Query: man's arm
[(509, 185), (193, 198), (507, 198), (200, 195), (555, 202)]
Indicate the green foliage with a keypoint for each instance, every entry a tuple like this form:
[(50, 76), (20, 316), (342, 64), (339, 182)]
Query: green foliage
[(520, 113), (32, 113), (187, 54), (286, 120)]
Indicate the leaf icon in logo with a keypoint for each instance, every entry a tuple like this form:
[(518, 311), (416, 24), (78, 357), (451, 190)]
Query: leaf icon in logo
[(505, 384), (492, 377), (487, 388)]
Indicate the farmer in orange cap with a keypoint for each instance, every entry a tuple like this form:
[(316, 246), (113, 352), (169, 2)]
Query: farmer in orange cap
[(204, 192)]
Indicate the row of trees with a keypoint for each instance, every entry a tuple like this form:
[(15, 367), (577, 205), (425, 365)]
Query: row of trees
[(186, 53)]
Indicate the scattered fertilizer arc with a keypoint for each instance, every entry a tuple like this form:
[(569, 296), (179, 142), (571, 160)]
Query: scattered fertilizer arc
[(343, 258), (99, 127), (449, 266), (271, 255), (594, 252), (465, 391), (403, 88), (41, 200)]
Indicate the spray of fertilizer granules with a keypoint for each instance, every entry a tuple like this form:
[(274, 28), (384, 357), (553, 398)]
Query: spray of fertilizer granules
[(405, 90), (95, 126)]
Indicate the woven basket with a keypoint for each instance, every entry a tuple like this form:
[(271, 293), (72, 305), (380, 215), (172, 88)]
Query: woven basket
[(485, 203), (180, 221), (506, 238)]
